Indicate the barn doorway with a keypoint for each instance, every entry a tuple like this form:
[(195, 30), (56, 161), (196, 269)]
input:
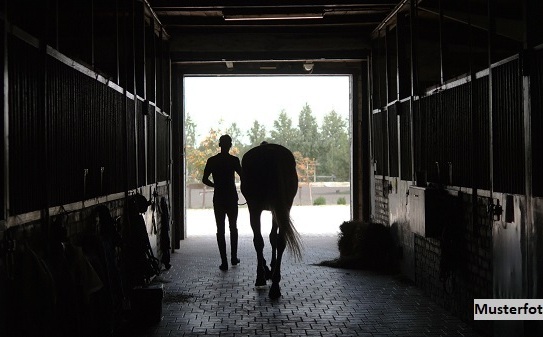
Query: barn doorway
[(309, 114)]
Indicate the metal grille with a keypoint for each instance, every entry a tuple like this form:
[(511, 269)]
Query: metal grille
[(508, 128), (26, 125), (65, 126), (88, 130), (85, 136), (112, 151), (537, 124), (392, 122), (456, 126), (380, 148), (451, 138), (162, 138), (431, 137), (405, 141)]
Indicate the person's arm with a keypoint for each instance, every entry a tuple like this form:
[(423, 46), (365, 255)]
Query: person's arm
[(238, 167), (207, 173)]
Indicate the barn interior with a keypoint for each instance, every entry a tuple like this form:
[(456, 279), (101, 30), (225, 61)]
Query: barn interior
[(446, 122)]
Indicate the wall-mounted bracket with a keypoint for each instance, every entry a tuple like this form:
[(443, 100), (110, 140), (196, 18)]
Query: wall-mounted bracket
[(495, 210)]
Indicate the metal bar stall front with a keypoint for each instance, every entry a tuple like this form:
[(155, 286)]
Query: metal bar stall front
[(5, 124)]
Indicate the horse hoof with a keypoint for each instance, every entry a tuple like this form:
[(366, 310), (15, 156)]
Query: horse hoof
[(275, 292), (260, 282)]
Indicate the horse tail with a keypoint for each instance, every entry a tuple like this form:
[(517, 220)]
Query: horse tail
[(286, 229), (287, 186)]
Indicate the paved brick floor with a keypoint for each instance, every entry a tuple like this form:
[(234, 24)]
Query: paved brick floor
[(200, 300)]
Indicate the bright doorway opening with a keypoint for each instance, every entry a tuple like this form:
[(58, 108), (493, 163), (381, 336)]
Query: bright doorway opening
[(309, 114)]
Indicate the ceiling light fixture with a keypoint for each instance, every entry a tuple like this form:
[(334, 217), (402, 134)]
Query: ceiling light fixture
[(308, 66), (267, 17)]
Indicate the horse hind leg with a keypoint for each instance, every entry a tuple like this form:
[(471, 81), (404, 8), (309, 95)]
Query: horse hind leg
[(275, 290), (258, 242), (273, 242)]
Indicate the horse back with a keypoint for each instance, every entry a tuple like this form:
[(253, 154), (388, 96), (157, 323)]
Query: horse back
[(269, 176)]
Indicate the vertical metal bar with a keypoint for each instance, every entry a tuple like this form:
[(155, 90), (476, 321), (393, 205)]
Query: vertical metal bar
[(355, 155), (155, 54), (371, 135), (167, 81), (386, 145), (474, 119), (441, 43), (364, 123), (159, 53), (125, 116), (56, 25), (161, 67), (123, 106), (178, 209), (134, 75), (92, 35), (413, 35), (379, 68), (398, 25), (491, 30), (386, 70), (5, 131), (145, 141), (145, 106), (398, 96), (117, 47), (532, 249), (170, 172), (379, 76), (144, 53)]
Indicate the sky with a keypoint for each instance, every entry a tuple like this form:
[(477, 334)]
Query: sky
[(244, 99)]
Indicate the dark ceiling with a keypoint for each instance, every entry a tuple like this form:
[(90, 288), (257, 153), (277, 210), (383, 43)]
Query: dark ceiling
[(210, 30), (207, 31)]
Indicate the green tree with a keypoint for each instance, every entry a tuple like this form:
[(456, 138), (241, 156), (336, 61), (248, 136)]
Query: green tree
[(335, 153), (197, 157), (283, 133), (190, 132), (256, 134), (235, 133), (190, 148), (308, 135), (305, 167)]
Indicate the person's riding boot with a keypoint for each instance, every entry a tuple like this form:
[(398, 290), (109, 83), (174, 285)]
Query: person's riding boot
[(234, 246), (222, 250)]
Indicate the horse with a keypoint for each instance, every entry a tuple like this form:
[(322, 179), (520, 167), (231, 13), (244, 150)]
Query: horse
[(269, 181)]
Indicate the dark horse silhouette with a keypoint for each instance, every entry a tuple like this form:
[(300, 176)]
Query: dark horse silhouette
[(269, 182)]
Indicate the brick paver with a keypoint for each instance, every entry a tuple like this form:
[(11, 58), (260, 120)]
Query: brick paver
[(200, 300)]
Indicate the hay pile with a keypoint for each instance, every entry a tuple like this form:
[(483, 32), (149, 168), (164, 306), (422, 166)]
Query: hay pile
[(365, 245)]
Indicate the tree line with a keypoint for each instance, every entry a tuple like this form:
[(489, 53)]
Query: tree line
[(322, 152)]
